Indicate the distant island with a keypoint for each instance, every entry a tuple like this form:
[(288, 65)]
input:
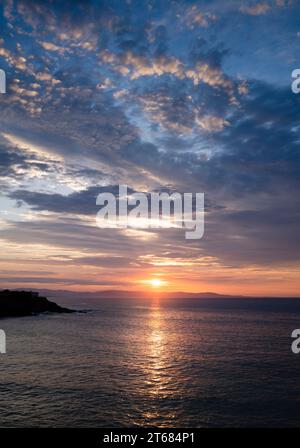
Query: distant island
[(126, 294), (27, 303)]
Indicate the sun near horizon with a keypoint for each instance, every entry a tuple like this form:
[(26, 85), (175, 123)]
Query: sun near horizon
[(155, 283)]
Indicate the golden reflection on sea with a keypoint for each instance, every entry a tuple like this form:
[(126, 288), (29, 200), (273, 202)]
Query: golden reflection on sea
[(158, 371)]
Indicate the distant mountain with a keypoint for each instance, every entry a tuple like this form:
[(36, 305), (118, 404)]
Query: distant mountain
[(123, 294), (26, 303)]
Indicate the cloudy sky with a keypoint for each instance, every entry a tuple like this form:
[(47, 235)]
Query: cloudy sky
[(177, 95)]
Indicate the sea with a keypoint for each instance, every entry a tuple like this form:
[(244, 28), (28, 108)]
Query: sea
[(189, 363)]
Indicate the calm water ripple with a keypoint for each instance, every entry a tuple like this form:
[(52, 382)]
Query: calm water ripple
[(191, 363)]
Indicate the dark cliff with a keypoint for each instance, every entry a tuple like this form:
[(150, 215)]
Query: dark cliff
[(26, 303)]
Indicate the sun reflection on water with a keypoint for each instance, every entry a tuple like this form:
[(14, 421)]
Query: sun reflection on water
[(157, 355), (158, 370)]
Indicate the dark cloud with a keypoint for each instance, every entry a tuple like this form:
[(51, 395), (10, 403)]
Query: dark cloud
[(10, 160), (82, 202), (58, 280)]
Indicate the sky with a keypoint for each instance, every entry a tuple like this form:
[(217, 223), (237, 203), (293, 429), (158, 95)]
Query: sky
[(187, 96)]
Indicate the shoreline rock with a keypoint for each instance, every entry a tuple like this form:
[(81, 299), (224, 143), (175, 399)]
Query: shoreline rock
[(27, 303)]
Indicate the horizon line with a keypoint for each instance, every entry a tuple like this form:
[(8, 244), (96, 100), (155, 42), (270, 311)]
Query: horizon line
[(155, 293)]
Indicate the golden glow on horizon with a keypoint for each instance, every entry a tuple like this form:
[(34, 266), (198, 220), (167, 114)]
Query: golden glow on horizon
[(156, 282), (24, 263)]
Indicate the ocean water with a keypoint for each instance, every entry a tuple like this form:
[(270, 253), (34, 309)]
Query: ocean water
[(178, 363)]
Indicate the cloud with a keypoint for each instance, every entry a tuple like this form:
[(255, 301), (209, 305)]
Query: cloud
[(210, 123), (135, 66), (105, 93), (15, 60), (81, 202), (176, 111), (59, 281), (261, 8), (194, 17), (10, 161), (255, 10), (50, 46)]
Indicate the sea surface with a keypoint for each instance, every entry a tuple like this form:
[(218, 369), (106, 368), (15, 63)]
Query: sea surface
[(176, 363)]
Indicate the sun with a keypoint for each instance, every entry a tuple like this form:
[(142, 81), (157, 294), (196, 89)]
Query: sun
[(156, 283)]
